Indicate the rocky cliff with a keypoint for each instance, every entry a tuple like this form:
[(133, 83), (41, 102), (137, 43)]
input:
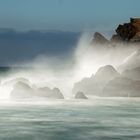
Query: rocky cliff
[(127, 32)]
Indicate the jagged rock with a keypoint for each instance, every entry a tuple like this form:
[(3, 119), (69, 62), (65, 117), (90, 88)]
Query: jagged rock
[(122, 87), (100, 39), (126, 31), (80, 95), (129, 32)]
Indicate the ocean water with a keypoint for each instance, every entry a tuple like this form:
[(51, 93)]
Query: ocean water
[(96, 119)]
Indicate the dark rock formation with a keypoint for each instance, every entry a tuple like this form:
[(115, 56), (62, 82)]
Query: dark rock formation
[(80, 95), (129, 32), (126, 31)]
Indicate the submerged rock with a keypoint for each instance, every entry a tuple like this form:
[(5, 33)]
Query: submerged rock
[(80, 95)]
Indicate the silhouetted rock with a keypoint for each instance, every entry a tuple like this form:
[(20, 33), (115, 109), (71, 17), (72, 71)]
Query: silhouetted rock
[(80, 95), (100, 39)]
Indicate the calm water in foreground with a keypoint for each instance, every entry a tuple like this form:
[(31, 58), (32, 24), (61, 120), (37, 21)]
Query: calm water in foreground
[(97, 119)]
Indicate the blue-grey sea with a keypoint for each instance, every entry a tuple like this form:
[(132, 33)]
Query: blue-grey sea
[(96, 119)]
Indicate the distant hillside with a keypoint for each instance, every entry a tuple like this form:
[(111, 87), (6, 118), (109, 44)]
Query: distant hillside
[(18, 46)]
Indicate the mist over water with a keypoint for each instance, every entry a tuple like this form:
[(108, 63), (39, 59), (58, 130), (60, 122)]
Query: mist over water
[(41, 118), (50, 72)]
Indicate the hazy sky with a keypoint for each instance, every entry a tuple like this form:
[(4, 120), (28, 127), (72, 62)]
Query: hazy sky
[(70, 15)]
